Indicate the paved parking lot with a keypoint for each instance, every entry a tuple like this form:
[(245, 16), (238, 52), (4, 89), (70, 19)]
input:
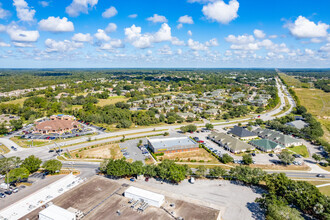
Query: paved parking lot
[(25, 191), (133, 152), (260, 158), (236, 200), (84, 130)]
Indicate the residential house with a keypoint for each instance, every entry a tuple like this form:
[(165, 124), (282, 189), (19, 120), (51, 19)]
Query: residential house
[(266, 145), (185, 115), (242, 133), (299, 124), (230, 143), (212, 112), (282, 139)]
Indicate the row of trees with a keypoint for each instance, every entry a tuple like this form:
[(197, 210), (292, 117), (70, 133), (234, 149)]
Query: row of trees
[(166, 170), (17, 169)]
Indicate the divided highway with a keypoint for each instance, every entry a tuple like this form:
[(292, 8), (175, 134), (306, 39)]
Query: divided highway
[(89, 168)]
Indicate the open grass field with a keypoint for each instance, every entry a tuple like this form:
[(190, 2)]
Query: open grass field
[(199, 155), (17, 101), (26, 143), (111, 100), (302, 150), (108, 151), (325, 190), (290, 80), (317, 103)]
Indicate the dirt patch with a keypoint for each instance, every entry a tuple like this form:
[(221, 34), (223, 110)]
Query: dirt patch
[(108, 151), (199, 155)]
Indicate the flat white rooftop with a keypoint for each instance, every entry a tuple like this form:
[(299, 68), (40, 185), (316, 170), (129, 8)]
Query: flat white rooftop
[(56, 212), (160, 143), (145, 193)]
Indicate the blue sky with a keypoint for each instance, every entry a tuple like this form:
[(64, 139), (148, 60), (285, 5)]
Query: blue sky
[(172, 33)]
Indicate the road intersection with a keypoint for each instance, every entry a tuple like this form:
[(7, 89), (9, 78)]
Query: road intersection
[(43, 152)]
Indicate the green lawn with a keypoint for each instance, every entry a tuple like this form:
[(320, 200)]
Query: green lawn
[(302, 150), (111, 100), (317, 103), (290, 80), (325, 190)]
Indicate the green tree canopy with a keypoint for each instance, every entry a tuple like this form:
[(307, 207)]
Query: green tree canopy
[(52, 165), (247, 159), (17, 174), (31, 163), (286, 157)]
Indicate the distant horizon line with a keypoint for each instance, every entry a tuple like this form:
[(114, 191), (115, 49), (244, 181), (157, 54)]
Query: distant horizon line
[(184, 68)]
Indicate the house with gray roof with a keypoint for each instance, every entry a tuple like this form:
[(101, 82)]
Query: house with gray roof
[(299, 124), (212, 111), (242, 133), (230, 143), (185, 115), (282, 139)]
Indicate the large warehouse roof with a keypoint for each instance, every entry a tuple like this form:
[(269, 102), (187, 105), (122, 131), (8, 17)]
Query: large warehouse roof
[(145, 194), (164, 143), (56, 212)]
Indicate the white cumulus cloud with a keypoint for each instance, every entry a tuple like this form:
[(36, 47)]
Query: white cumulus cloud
[(116, 43), (80, 6), (112, 27), (304, 28), (82, 37), (196, 45), (138, 40), (133, 16), (101, 35), (110, 12), (24, 12), (259, 33), (61, 46), (186, 19), (44, 3), (157, 19), (17, 34), (220, 11), (56, 24), (189, 33)]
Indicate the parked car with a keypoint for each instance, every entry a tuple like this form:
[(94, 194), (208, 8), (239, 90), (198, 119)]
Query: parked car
[(15, 190), (2, 195), (132, 179), (271, 155), (253, 154), (147, 179), (8, 192)]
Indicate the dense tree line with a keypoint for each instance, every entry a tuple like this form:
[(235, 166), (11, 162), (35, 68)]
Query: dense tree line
[(166, 170), (300, 195), (323, 84), (16, 170)]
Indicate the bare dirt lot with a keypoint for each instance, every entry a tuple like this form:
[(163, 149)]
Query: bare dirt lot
[(109, 151), (200, 155)]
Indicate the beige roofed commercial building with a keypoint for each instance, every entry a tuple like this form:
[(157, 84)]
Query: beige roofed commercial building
[(57, 124)]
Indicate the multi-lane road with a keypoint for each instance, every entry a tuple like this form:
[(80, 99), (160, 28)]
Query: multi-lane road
[(42, 152)]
